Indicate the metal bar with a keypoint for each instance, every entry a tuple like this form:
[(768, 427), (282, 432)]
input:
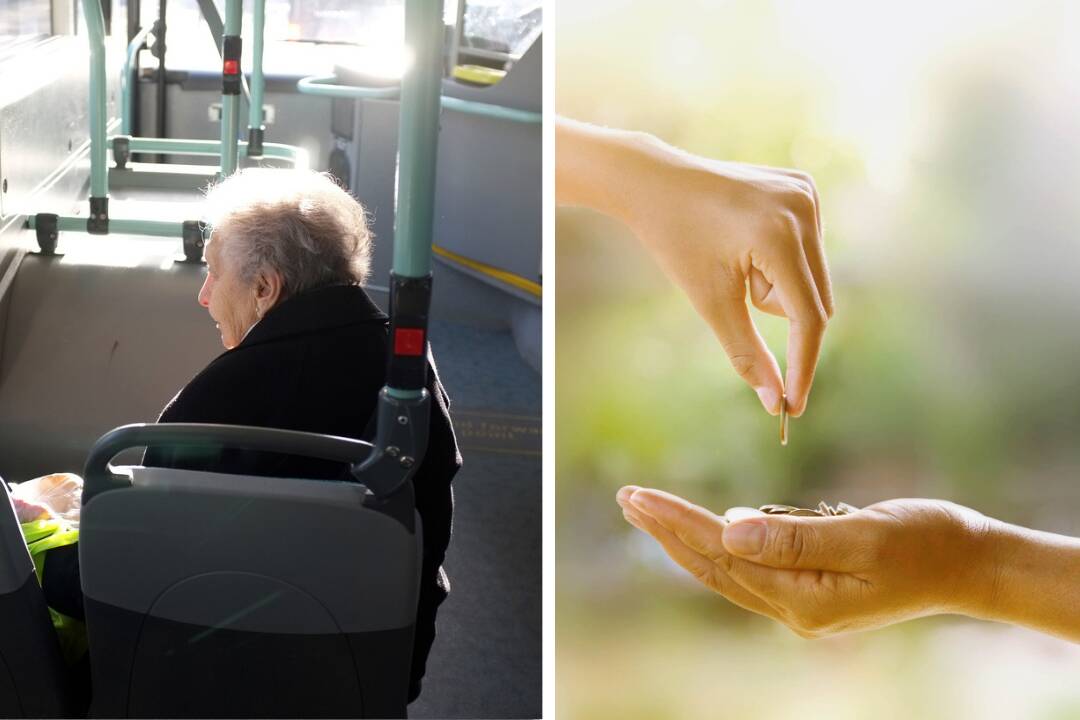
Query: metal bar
[(95, 26), (230, 126), (459, 33), (217, 30), (98, 474), (213, 21), (471, 107), (230, 110), (258, 84), (162, 128), (152, 228), (127, 82), (132, 19), (171, 146), (418, 138), (325, 85), (211, 148), (134, 10)]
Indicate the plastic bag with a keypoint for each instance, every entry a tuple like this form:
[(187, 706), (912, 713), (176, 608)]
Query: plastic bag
[(56, 496)]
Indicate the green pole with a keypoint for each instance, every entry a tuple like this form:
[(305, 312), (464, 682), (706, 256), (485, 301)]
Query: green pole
[(95, 27), (255, 117), (325, 85), (230, 101), (153, 228), (170, 146), (127, 82), (418, 138), (499, 112)]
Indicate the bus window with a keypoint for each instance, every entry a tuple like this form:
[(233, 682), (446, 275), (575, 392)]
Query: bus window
[(22, 20)]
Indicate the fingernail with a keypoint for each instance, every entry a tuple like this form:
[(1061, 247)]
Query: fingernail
[(769, 399), (623, 496), (745, 538), (640, 500)]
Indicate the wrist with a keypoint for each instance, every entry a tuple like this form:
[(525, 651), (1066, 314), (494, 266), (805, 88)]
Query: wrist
[(624, 174), (993, 543), (595, 167), (1034, 579)]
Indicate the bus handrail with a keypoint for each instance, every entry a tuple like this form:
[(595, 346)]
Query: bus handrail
[(127, 80), (100, 476), (326, 85)]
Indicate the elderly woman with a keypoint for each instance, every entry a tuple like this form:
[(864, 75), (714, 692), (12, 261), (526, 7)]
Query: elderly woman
[(306, 350)]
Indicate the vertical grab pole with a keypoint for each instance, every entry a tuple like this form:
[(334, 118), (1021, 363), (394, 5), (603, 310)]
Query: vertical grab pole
[(402, 419), (459, 34), (255, 115), (230, 87), (128, 81), (410, 279), (98, 223), (161, 99)]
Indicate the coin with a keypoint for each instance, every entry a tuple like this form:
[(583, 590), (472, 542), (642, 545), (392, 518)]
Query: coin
[(824, 509), (777, 509), (783, 420), (741, 513)]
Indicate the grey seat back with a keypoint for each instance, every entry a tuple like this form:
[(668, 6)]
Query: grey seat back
[(86, 348), (211, 595), (34, 681)]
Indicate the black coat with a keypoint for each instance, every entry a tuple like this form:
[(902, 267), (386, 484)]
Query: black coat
[(315, 363)]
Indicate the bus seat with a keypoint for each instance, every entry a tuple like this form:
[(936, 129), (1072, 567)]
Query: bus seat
[(89, 347), (211, 595), (33, 679)]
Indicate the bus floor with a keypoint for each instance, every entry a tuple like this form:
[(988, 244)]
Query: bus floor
[(486, 661)]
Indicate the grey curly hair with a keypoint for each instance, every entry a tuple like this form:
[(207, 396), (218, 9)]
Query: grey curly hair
[(300, 223)]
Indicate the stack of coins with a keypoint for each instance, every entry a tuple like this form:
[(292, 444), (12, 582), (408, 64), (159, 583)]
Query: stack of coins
[(824, 509)]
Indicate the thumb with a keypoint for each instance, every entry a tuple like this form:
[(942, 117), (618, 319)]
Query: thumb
[(806, 543)]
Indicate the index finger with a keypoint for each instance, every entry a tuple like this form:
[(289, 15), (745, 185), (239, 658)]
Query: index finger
[(804, 347)]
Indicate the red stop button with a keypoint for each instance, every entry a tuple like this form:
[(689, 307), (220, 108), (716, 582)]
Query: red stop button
[(409, 341)]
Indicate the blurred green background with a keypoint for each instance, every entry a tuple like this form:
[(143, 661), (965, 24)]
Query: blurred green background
[(944, 138)]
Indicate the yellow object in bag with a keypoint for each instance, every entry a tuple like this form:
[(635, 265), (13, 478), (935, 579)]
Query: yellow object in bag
[(42, 536)]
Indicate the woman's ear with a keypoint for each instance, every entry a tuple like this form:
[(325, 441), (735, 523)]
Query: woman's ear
[(269, 287)]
